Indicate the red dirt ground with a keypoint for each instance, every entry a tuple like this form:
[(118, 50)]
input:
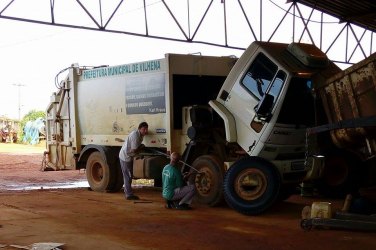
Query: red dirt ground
[(20, 167), (83, 219)]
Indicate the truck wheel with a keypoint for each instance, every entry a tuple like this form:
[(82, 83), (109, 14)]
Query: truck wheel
[(119, 181), (98, 173), (251, 185), (340, 175), (158, 182), (209, 183)]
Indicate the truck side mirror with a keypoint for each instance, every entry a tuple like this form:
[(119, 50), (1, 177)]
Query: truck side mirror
[(264, 108)]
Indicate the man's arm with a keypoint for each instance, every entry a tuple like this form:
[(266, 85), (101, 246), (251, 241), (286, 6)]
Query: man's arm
[(135, 143), (186, 175), (140, 148)]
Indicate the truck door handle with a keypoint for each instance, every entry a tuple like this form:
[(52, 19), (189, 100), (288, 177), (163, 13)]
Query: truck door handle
[(250, 147)]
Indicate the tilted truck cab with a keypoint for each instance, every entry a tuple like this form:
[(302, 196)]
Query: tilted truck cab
[(268, 96)]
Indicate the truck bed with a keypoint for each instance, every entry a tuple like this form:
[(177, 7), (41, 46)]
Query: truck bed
[(350, 95)]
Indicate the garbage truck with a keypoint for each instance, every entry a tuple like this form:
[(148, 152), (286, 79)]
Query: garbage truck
[(241, 123)]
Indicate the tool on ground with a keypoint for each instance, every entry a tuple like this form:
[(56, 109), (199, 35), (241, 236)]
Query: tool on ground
[(320, 215), (142, 202), (184, 163), (343, 221)]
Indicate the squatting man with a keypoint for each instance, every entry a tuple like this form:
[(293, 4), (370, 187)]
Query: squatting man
[(173, 188)]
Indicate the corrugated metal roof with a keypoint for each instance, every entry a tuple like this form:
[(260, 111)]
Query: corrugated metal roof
[(359, 12)]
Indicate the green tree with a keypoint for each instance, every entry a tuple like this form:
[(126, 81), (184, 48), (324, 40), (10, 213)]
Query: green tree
[(31, 116)]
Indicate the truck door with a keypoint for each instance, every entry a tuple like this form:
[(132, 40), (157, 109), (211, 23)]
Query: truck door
[(252, 100)]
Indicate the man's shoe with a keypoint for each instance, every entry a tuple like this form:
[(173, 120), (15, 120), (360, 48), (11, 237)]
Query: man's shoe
[(170, 204), (133, 197)]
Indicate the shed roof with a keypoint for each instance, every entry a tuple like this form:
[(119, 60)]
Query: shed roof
[(359, 12)]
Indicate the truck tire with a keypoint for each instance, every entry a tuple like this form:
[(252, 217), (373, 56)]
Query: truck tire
[(340, 175), (208, 184), (99, 174), (157, 182), (119, 180), (251, 185)]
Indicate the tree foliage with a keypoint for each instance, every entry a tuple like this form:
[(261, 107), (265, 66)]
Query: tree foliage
[(31, 116)]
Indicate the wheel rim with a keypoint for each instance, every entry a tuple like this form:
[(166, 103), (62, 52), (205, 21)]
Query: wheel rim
[(97, 172), (250, 184), (204, 181)]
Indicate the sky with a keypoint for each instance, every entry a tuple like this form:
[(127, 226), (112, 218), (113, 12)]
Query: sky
[(33, 54)]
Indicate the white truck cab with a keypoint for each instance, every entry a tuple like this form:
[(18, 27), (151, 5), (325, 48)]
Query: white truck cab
[(268, 96)]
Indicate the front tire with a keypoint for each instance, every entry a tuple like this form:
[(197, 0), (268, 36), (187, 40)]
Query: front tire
[(251, 185)]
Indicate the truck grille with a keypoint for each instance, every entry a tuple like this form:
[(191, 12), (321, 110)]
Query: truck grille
[(297, 166), (289, 156)]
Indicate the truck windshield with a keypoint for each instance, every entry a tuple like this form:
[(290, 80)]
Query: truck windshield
[(259, 75), (298, 105)]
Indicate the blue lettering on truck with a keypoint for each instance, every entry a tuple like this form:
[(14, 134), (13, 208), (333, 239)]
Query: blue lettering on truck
[(125, 69)]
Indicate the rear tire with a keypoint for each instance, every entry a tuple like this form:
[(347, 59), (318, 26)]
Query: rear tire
[(99, 174), (340, 175), (119, 182), (251, 185), (209, 184), (158, 182)]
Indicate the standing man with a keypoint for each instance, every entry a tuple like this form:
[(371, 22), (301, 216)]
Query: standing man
[(132, 145), (173, 185)]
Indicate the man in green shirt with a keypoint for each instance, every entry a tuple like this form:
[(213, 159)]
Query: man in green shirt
[(174, 189)]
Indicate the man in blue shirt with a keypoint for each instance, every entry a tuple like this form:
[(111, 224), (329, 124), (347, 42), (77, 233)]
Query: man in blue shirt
[(173, 185), (132, 145)]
